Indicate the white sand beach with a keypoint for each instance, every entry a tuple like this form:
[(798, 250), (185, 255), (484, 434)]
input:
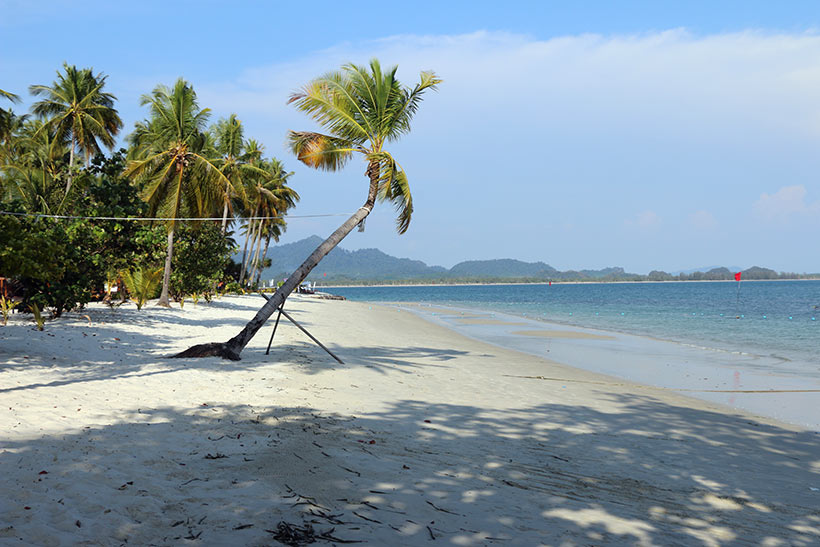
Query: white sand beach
[(423, 436)]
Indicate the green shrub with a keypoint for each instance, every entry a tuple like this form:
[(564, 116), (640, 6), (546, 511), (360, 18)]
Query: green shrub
[(142, 284), (38, 316), (6, 305)]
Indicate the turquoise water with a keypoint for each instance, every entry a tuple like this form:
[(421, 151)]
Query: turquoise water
[(768, 318)]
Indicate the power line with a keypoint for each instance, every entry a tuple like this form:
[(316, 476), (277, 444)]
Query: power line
[(148, 219)]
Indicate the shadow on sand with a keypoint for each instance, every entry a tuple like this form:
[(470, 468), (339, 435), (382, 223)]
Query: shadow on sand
[(653, 473)]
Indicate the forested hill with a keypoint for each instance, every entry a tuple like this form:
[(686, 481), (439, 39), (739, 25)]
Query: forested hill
[(374, 266), (364, 264)]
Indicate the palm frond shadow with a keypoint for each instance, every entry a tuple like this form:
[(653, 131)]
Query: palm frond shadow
[(649, 473)]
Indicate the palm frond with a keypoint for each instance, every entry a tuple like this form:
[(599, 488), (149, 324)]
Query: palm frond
[(10, 96), (321, 151), (395, 188), (332, 103)]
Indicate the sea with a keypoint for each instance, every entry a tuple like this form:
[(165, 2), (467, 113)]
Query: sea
[(751, 335)]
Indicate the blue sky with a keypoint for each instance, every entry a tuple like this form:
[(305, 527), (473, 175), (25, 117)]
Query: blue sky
[(646, 135)]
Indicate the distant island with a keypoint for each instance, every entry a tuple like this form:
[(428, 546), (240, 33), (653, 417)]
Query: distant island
[(374, 267)]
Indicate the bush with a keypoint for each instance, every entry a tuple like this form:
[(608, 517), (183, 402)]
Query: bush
[(143, 284), (201, 254)]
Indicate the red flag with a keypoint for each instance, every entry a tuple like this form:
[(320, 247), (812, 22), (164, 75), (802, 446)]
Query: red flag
[(737, 276)]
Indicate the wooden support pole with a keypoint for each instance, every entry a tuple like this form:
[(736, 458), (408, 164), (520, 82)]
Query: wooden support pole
[(301, 328)]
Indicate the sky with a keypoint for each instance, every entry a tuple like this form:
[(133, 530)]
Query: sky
[(646, 135)]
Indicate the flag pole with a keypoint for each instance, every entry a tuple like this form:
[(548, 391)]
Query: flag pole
[(737, 302)]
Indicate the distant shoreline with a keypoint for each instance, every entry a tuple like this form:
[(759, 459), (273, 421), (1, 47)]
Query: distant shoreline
[(484, 284)]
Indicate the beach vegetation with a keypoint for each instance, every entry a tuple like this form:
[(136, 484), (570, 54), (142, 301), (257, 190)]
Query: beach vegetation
[(55, 161), (171, 163), (39, 320), (142, 284), (78, 112), (201, 256), (7, 118), (229, 143), (7, 304), (269, 199)]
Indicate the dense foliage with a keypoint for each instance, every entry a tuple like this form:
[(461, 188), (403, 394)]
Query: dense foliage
[(176, 166)]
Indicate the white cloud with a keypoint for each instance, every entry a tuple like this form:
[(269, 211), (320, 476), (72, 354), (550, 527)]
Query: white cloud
[(702, 220), (666, 80), (787, 203), (644, 220)]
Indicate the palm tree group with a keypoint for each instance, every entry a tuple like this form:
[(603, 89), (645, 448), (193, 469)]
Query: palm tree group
[(188, 170), (171, 162), (182, 167)]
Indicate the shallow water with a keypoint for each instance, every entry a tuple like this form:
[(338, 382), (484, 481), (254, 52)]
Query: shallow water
[(702, 339), (767, 318)]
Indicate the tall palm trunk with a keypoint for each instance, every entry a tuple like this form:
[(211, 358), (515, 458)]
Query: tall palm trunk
[(70, 164), (233, 347), (166, 277), (255, 263), (225, 210), (246, 257), (245, 251), (264, 256)]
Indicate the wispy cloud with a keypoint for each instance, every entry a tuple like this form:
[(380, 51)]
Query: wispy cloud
[(788, 203), (703, 220), (644, 220)]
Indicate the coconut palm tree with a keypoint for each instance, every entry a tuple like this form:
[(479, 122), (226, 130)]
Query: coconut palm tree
[(7, 116), (34, 166), (273, 197), (168, 160), (362, 110), (80, 112), (229, 144)]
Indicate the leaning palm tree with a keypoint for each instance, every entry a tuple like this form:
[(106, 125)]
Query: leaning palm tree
[(362, 110), (168, 160), (80, 112)]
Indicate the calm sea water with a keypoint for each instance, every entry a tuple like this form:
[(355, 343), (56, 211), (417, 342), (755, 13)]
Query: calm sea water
[(768, 318)]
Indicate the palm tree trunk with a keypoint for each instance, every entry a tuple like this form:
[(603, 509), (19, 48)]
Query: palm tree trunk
[(225, 210), (233, 347), (70, 165), (166, 277), (246, 257), (264, 256), (245, 251), (255, 263)]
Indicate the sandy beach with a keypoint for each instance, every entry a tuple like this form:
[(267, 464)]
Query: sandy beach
[(422, 436)]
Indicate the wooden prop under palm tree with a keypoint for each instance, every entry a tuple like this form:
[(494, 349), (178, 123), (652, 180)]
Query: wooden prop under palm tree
[(362, 110)]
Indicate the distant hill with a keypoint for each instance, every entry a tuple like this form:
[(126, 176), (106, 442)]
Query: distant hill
[(366, 266), (505, 267), (343, 264), (706, 269)]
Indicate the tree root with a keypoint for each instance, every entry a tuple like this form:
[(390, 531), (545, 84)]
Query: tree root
[(213, 349)]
